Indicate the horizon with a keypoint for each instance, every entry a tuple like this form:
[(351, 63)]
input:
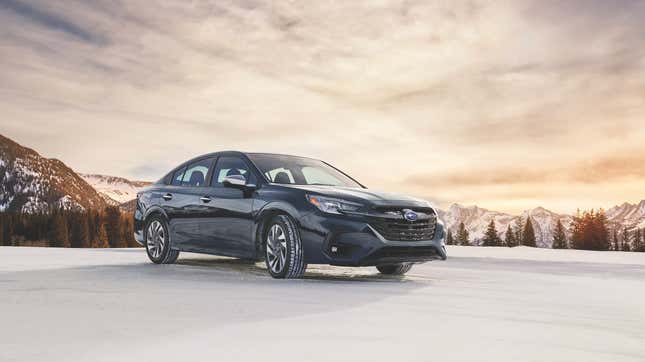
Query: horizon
[(507, 106), (443, 208)]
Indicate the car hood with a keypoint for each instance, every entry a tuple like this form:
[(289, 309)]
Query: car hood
[(365, 196)]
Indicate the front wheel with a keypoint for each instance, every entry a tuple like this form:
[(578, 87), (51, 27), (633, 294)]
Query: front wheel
[(394, 269), (284, 256)]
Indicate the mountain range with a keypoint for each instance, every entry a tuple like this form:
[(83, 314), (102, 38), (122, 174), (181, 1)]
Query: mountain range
[(31, 183), (115, 190), (476, 220)]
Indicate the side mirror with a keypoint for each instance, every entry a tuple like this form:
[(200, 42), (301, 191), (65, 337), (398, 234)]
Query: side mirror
[(234, 181)]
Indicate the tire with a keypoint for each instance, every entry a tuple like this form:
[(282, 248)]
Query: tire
[(394, 269), (283, 252), (158, 243)]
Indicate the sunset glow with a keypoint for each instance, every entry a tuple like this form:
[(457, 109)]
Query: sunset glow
[(505, 104)]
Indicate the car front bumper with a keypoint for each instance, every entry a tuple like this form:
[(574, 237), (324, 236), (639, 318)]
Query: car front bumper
[(351, 241)]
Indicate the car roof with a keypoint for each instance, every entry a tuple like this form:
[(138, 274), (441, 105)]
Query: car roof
[(242, 153), (278, 154), (234, 153)]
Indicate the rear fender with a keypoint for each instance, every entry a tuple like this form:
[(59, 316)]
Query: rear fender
[(140, 219)]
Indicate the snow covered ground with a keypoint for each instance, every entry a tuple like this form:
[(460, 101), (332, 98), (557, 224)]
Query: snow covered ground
[(482, 304)]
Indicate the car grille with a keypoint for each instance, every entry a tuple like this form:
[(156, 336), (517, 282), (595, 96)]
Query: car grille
[(395, 227)]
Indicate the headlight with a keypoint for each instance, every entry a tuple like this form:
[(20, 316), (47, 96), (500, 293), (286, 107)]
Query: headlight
[(332, 206)]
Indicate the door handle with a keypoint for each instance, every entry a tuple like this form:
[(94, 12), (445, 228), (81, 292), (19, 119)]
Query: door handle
[(167, 197), (205, 199)]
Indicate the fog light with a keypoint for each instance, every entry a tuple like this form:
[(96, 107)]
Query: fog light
[(334, 249)]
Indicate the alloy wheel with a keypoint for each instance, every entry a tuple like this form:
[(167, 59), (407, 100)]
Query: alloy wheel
[(156, 239), (276, 248)]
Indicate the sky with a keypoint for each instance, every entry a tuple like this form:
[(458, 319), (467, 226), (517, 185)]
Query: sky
[(508, 105)]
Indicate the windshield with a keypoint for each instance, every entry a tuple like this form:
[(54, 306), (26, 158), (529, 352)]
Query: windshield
[(299, 171)]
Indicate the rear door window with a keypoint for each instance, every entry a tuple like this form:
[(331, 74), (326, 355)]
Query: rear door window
[(178, 176), (196, 172)]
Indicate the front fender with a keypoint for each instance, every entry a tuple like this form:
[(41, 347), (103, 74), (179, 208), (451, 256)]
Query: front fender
[(265, 213)]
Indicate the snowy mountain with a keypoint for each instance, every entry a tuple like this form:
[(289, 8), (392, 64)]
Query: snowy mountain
[(31, 183), (476, 220), (116, 190), (627, 215), (544, 222)]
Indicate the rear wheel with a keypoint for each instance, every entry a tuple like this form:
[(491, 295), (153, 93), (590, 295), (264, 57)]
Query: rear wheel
[(394, 269), (158, 246), (284, 256)]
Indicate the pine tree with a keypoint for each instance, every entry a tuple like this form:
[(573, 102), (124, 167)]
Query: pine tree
[(84, 231), (1, 228), (528, 234), (449, 238), (113, 227), (91, 226), (576, 232), (637, 240), (462, 235), (518, 231), (74, 230), (600, 231), (510, 237), (615, 244), (30, 222), (128, 231), (588, 240), (590, 232), (59, 232), (94, 223), (626, 242), (8, 229), (101, 240), (559, 237), (80, 231), (491, 238)]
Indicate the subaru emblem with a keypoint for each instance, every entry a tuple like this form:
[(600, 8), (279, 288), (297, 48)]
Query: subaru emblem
[(410, 215)]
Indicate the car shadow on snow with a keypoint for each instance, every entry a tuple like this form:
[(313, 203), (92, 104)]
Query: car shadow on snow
[(321, 273)]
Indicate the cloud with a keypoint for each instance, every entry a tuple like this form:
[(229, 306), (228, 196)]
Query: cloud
[(461, 92), (628, 165), (52, 21)]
